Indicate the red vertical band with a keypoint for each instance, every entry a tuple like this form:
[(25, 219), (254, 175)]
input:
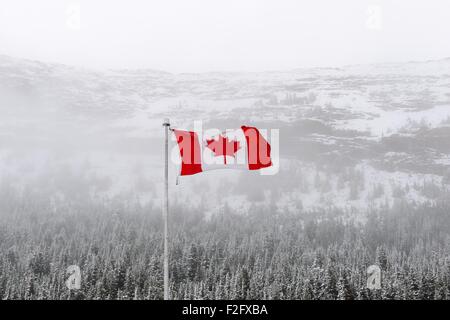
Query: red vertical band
[(190, 152), (258, 149)]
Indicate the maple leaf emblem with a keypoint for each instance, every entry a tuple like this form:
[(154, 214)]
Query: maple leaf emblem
[(223, 147)]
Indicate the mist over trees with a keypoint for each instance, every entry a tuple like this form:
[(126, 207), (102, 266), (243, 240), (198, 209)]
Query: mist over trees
[(364, 180), (259, 255)]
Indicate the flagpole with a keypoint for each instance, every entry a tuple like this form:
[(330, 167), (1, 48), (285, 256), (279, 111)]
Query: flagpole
[(166, 125)]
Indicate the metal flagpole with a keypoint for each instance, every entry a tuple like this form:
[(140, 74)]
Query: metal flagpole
[(166, 125)]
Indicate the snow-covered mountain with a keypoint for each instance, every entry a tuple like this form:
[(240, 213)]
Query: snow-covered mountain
[(354, 138)]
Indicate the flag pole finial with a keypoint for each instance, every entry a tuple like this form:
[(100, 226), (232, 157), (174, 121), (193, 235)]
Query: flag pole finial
[(166, 122)]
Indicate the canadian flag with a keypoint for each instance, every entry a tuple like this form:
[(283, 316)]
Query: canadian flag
[(244, 148)]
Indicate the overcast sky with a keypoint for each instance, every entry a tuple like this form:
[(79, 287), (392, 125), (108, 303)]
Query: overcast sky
[(227, 35)]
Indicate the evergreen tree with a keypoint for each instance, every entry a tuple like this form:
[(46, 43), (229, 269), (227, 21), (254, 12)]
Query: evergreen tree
[(345, 291)]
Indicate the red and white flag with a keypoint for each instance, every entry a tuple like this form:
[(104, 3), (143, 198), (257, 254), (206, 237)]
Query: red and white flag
[(244, 148)]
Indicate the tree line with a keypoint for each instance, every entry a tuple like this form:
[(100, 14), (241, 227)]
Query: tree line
[(263, 254)]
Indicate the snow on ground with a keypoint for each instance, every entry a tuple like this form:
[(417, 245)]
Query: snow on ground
[(390, 122), (380, 99), (379, 188)]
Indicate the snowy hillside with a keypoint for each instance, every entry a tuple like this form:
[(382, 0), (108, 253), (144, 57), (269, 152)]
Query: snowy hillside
[(353, 138)]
